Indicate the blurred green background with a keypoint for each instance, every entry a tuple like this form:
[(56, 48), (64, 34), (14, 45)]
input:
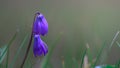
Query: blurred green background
[(82, 22)]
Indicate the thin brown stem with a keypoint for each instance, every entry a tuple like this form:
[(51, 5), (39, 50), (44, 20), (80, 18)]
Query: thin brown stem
[(27, 51), (28, 48)]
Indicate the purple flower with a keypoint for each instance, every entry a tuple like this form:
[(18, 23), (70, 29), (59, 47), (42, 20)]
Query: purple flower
[(39, 46), (40, 25)]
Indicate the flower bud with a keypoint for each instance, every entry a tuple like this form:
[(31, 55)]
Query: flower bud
[(40, 25), (39, 47)]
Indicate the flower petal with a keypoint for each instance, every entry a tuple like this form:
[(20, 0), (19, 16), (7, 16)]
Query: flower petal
[(36, 47), (39, 47), (40, 25), (44, 47)]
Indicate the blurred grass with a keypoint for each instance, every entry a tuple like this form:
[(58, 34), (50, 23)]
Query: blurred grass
[(2, 53), (18, 52), (68, 60), (48, 56), (118, 43), (98, 55), (75, 63), (93, 21), (5, 50), (118, 64), (82, 58)]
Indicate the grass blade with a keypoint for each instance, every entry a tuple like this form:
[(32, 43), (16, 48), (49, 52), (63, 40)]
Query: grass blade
[(99, 55), (82, 58), (48, 56), (118, 43), (7, 49), (2, 55), (18, 51), (63, 61), (75, 63), (118, 64), (116, 35)]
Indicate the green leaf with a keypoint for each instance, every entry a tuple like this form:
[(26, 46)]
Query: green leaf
[(82, 58), (18, 52), (4, 50), (99, 55), (2, 54), (48, 56), (114, 39), (7, 49), (89, 53), (75, 63), (68, 62), (118, 43)]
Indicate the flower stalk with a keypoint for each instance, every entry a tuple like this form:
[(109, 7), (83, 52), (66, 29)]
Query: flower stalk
[(40, 28), (27, 51)]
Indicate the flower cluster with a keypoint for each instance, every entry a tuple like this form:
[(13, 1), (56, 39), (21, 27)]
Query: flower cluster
[(40, 28)]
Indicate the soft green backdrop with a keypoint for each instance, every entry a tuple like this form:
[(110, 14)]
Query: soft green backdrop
[(82, 22)]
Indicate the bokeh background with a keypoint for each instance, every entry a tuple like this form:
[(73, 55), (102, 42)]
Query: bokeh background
[(81, 22)]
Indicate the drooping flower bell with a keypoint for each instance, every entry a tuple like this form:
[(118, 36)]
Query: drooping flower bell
[(39, 47), (40, 25)]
